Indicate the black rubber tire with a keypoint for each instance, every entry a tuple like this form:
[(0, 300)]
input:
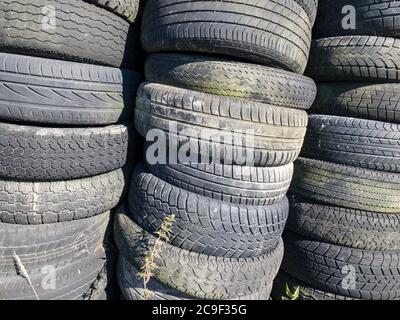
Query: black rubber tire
[(355, 142), (83, 32), (46, 154), (376, 17), (127, 9), (47, 91), (346, 186), (203, 225), (55, 244), (284, 281), (250, 31), (375, 101), (60, 201), (344, 227), (270, 136), (229, 78), (235, 184), (310, 6), (197, 275), (73, 281), (377, 273), (132, 286), (355, 58)]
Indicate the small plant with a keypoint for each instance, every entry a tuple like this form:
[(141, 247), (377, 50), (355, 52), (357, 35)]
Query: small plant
[(150, 266), (292, 294)]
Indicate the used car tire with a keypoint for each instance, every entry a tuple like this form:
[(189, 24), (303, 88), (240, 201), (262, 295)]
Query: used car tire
[(251, 31), (60, 201), (229, 78), (127, 9), (203, 225), (48, 91), (269, 136), (82, 32), (355, 142), (355, 58), (346, 186), (194, 274), (310, 6)]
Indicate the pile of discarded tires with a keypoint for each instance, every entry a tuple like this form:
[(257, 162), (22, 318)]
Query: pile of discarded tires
[(65, 107), (228, 218), (344, 240)]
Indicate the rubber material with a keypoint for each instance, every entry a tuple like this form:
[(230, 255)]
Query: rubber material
[(127, 9)]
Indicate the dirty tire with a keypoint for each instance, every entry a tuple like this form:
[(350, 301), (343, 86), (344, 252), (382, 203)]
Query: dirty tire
[(321, 265), (344, 227), (374, 101), (132, 286), (377, 17), (127, 9), (355, 58), (310, 6), (47, 154), (355, 142), (48, 91), (235, 184), (55, 244), (284, 280), (235, 28), (229, 78), (197, 275), (275, 134), (60, 201), (84, 32), (203, 225), (346, 186), (74, 281)]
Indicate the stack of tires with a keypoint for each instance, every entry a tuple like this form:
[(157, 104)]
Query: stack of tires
[(65, 110), (229, 216), (344, 219)]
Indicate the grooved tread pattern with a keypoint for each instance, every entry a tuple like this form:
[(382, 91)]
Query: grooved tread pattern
[(82, 32), (355, 142), (355, 58), (50, 202), (235, 79), (236, 130), (40, 90), (235, 184), (127, 9), (194, 274), (346, 186), (344, 227), (271, 32), (329, 268), (310, 6), (48, 154), (205, 225), (374, 101)]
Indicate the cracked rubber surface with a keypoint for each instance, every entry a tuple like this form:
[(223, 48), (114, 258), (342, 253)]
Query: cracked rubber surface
[(48, 91), (355, 142), (229, 78), (83, 32), (203, 225), (194, 274), (235, 130), (346, 186), (46, 154), (55, 244), (235, 184), (49, 202), (326, 267), (270, 32), (374, 101), (344, 227), (355, 58), (132, 286), (127, 9), (373, 17)]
